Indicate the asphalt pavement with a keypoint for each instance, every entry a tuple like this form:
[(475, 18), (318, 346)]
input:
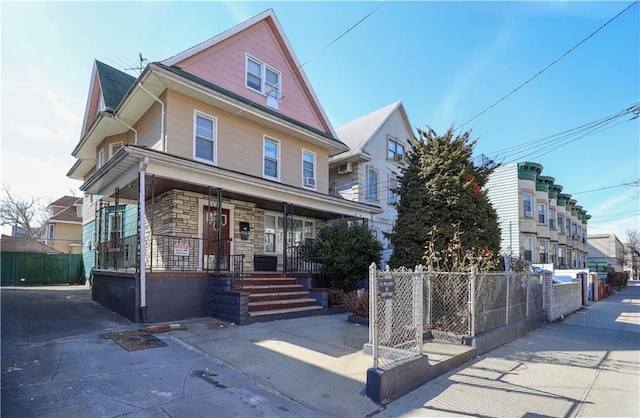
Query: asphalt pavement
[(56, 362)]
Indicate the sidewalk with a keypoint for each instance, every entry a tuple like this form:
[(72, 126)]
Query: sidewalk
[(586, 365), (317, 361)]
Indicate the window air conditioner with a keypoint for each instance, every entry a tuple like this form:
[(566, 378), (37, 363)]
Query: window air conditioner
[(310, 182), (345, 168), (528, 214), (398, 157)]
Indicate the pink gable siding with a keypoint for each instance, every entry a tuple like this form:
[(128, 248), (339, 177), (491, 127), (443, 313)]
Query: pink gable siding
[(224, 65)]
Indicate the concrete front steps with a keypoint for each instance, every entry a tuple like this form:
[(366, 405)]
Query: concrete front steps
[(274, 297)]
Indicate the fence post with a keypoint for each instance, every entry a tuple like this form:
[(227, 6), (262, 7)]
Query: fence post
[(472, 303), (528, 295), (507, 305), (429, 299), (418, 303), (373, 313)]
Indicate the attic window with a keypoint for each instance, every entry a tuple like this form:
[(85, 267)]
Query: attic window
[(263, 79)]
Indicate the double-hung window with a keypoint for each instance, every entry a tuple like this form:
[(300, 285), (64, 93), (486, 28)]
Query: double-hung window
[(113, 148), (308, 169), (561, 224), (51, 231), (395, 150), (271, 159), (263, 79), (372, 183), (204, 138), (542, 213), (552, 218), (393, 193), (527, 206)]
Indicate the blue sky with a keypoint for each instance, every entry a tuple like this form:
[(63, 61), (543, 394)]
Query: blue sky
[(447, 62)]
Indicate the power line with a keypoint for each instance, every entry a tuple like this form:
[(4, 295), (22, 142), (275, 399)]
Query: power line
[(631, 183), (548, 66)]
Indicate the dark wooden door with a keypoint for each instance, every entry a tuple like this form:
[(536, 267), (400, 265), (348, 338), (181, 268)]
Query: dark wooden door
[(216, 238)]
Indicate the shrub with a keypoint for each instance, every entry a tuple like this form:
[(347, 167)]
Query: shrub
[(358, 303), (337, 297), (347, 250)]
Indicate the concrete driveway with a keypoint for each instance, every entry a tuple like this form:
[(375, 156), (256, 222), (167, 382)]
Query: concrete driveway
[(56, 364)]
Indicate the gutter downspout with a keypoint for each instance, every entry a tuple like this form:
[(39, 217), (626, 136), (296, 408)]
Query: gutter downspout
[(143, 250), (162, 116)]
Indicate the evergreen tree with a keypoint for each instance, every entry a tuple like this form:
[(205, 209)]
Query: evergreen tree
[(440, 192)]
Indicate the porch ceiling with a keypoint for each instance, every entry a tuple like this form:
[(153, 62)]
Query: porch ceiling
[(165, 172)]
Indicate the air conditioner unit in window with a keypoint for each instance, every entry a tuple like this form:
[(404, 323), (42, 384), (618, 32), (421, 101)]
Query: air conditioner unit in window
[(528, 214), (399, 157), (345, 168), (310, 182)]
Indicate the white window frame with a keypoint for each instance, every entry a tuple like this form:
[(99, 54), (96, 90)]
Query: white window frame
[(552, 218), (542, 213), (393, 184), (114, 145), (115, 218), (266, 139), (527, 213), (313, 175), (265, 88), (214, 140), (101, 158), (560, 223), (51, 232), (372, 192), (393, 154), (307, 231)]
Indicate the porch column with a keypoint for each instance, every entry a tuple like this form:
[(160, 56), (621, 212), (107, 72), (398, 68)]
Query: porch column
[(142, 235)]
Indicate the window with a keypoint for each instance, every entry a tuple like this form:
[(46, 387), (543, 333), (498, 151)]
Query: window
[(271, 159), (567, 225), (393, 194), (561, 257), (561, 224), (372, 183), (300, 231), (113, 148), (262, 78), (554, 253), (552, 218), (395, 150), (527, 206), (574, 230), (308, 169), (528, 250), (101, 158), (204, 141), (543, 252), (542, 213), (51, 231), (115, 226)]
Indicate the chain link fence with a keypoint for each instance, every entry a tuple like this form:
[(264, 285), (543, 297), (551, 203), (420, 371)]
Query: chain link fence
[(406, 304)]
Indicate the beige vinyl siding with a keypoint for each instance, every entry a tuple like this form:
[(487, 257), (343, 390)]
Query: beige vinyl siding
[(125, 138), (148, 127), (239, 142)]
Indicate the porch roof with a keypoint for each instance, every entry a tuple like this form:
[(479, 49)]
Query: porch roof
[(174, 172)]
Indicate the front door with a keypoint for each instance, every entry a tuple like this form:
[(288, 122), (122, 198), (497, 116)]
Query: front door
[(216, 239)]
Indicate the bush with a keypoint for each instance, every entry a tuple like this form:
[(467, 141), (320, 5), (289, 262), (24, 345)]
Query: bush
[(337, 297), (617, 279), (358, 303), (347, 250)]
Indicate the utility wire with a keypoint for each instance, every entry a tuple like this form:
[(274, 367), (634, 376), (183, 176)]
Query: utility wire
[(631, 183), (548, 66)]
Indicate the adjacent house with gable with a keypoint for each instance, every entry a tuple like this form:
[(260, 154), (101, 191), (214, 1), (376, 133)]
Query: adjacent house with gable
[(63, 230), (209, 169), (369, 171)]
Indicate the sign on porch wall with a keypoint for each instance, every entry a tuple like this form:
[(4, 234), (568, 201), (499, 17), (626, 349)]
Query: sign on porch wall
[(181, 249)]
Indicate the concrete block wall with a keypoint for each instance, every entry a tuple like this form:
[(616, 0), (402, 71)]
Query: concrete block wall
[(565, 298)]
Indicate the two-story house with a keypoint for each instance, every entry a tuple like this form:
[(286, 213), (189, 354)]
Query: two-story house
[(63, 230), (537, 221), (369, 171), (213, 163), (606, 251)]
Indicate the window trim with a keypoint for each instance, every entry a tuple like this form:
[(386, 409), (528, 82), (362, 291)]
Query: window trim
[(112, 146), (51, 232), (396, 159), (372, 169), (101, 158), (266, 139), (214, 120), (263, 76), (392, 179), (543, 211), (525, 213), (314, 176)]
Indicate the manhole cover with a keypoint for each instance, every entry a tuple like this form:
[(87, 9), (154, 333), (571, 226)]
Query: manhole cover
[(134, 340)]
